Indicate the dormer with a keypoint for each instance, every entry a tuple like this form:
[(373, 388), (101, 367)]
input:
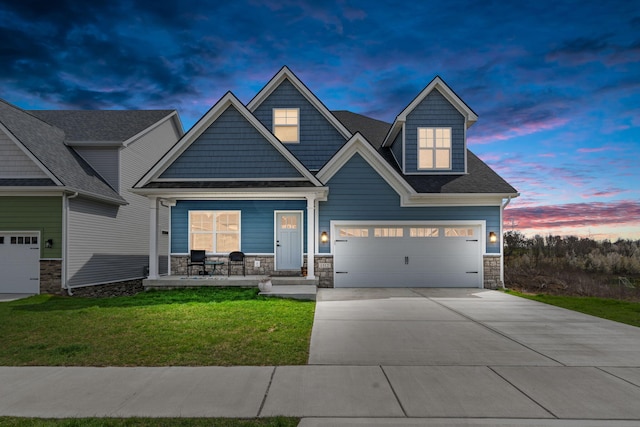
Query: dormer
[(429, 137), (299, 119)]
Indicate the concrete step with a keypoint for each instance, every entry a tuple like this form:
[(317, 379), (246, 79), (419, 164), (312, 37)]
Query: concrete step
[(301, 292)]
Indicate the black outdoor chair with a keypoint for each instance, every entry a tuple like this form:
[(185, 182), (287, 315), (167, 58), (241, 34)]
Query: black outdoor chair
[(196, 259), (236, 257)]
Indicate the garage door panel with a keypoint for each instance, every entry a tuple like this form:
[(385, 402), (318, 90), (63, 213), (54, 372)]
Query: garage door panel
[(19, 263), (409, 259)]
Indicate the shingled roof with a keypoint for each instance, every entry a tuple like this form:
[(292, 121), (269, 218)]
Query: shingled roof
[(480, 178), (101, 125)]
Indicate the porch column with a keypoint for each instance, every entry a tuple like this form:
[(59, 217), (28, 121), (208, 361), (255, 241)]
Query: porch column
[(311, 234), (153, 238)]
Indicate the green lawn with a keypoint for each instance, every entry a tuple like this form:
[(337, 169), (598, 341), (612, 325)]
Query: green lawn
[(149, 422), (620, 311), (187, 327)]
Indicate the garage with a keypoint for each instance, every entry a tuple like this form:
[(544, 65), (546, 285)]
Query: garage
[(19, 262), (407, 255)]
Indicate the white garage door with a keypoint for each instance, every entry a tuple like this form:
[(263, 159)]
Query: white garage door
[(407, 256), (19, 263)]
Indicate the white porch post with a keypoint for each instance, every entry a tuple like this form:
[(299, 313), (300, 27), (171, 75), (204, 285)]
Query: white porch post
[(153, 238), (311, 234)]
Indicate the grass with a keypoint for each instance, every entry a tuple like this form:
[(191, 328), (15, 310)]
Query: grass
[(620, 311), (149, 422), (187, 327)]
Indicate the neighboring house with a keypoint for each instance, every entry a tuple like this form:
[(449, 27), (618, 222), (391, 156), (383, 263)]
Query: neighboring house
[(358, 202), (67, 217)]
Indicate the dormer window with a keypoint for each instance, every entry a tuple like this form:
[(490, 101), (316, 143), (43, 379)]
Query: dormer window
[(434, 148), (286, 124)]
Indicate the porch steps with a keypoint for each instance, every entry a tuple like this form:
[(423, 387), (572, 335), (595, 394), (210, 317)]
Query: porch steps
[(283, 286)]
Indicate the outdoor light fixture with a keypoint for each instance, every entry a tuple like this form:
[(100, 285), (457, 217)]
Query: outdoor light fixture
[(324, 237), (48, 243), (493, 237)]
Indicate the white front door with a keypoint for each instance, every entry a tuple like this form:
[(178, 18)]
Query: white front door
[(288, 240), (19, 262)]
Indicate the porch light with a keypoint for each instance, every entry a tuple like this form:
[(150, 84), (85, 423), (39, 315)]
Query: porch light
[(493, 237), (324, 237), (48, 244)]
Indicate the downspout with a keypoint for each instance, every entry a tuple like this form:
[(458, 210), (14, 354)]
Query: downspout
[(65, 239), (502, 206)]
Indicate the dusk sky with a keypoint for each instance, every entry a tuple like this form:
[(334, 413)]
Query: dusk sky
[(556, 84)]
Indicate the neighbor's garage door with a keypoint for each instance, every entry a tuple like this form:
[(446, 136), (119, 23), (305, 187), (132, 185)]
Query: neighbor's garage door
[(407, 256), (19, 263)]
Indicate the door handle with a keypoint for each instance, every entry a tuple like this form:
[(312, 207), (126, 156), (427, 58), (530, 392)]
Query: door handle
[(406, 260)]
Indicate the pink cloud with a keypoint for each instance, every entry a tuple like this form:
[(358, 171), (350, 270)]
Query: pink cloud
[(517, 131), (545, 218)]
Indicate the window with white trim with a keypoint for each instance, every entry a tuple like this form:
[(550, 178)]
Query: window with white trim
[(353, 232), (286, 124), (214, 231), (423, 232), (458, 232), (388, 232), (434, 148)]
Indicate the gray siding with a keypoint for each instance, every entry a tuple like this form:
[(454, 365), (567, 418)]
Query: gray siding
[(14, 163), (105, 160), (359, 193), (396, 149), (319, 139), (434, 111), (110, 243), (231, 148)]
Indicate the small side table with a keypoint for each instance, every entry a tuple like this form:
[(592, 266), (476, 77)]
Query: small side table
[(214, 265)]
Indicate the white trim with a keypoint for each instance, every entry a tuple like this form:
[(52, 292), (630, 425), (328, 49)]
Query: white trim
[(18, 191), (436, 84), (275, 235), (234, 193), (286, 73), (227, 179), (228, 100), (30, 155)]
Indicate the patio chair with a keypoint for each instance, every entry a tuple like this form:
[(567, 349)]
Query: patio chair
[(236, 257), (197, 258)]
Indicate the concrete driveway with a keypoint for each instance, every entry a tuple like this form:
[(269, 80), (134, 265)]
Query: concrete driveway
[(469, 353)]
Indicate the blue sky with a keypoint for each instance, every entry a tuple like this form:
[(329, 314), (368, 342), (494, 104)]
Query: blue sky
[(556, 84)]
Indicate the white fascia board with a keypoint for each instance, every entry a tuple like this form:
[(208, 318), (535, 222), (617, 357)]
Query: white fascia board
[(171, 116), (30, 155), (228, 179), (228, 100), (393, 132), (319, 193), (17, 191), (458, 199), (358, 144), (286, 73)]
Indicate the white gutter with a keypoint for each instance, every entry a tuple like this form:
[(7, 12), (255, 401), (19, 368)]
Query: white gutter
[(502, 206), (65, 239)]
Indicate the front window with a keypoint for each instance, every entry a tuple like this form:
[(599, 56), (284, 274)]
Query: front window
[(286, 124), (214, 231), (434, 148)]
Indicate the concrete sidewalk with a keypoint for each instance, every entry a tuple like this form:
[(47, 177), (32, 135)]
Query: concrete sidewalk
[(383, 358)]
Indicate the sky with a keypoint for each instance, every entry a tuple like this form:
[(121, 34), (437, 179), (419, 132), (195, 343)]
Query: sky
[(556, 84)]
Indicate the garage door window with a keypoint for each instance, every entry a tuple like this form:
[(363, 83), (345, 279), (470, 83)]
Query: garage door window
[(354, 232), (388, 232), (423, 232), (458, 232)]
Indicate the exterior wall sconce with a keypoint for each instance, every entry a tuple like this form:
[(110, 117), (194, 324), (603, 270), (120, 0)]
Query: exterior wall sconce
[(48, 244), (493, 237), (324, 237)]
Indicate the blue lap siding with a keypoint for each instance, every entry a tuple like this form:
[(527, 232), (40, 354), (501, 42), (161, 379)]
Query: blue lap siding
[(256, 228), (319, 139), (231, 148), (434, 111), (358, 193)]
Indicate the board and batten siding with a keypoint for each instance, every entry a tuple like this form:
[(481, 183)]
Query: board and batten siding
[(358, 193), (14, 163), (319, 139), (105, 160), (109, 243), (256, 221), (434, 111), (43, 214), (231, 148)]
